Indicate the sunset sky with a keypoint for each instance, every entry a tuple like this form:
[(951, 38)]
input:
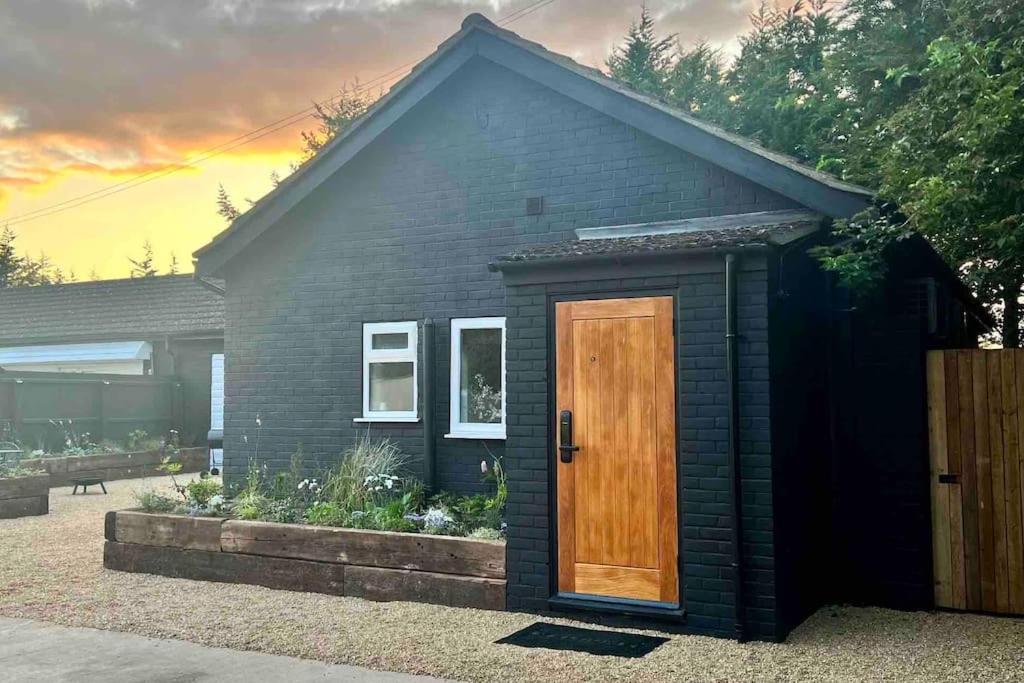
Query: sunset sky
[(96, 92)]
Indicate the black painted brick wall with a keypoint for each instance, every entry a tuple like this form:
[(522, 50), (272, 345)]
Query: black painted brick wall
[(706, 574), (405, 232)]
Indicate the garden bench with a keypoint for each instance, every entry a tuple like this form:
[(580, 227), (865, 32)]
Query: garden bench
[(86, 482)]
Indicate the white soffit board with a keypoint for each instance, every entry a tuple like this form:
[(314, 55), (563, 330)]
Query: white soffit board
[(63, 353)]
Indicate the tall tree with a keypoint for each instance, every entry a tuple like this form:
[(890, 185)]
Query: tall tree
[(644, 60), (26, 271), (780, 93), (695, 83), (333, 117), (10, 262), (145, 265), (226, 209)]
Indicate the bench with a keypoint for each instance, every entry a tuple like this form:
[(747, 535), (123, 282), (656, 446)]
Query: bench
[(86, 482)]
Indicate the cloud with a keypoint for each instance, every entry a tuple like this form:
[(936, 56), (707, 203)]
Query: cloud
[(102, 86)]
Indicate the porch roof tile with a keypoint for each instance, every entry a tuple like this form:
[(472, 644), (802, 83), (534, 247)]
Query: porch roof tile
[(697, 240)]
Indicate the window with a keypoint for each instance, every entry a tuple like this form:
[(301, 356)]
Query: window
[(478, 378), (389, 371)]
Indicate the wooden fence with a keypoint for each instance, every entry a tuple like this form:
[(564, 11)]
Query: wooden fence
[(976, 434), (104, 406)]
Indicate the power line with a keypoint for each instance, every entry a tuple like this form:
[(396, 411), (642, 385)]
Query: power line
[(240, 140), (226, 146)]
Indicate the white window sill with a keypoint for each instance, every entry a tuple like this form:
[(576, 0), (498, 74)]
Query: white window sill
[(385, 419), (479, 436)]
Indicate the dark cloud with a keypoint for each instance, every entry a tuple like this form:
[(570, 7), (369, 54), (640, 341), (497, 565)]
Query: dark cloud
[(126, 83)]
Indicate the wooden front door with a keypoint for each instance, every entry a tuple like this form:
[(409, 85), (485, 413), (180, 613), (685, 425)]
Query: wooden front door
[(617, 519)]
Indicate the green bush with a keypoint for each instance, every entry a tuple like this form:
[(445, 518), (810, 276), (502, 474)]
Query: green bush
[(486, 534), (250, 506), (154, 501), (326, 513), (199, 492)]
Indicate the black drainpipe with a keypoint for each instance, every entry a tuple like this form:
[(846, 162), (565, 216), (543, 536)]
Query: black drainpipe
[(732, 376), (429, 446)]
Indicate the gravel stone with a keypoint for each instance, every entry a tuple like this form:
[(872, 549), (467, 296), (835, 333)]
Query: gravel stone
[(51, 569)]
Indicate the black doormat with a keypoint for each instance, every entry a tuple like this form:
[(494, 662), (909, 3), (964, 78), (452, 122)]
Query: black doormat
[(557, 637)]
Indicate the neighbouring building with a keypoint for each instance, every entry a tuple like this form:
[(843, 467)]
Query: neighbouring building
[(168, 325), (513, 254)]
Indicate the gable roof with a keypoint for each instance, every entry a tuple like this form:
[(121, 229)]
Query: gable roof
[(480, 38), (135, 309)]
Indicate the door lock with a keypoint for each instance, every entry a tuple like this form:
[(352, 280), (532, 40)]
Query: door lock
[(565, 445)]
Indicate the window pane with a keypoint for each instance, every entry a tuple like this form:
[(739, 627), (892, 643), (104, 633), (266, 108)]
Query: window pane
[(391, 387), (480, 376), (390, 341)]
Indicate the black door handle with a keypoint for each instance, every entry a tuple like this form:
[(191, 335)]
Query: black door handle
[(565, 445), (949, 478)]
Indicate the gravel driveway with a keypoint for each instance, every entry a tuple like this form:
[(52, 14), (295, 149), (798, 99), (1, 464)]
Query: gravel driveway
[(51, 569)]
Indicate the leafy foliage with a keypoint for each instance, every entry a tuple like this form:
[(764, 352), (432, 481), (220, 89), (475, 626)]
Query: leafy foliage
[(644, 60), (368, 489), (333, 118), (144, 265), (921, 99)]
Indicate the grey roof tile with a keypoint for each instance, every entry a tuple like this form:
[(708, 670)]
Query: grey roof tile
[(722, 238), (136, 309)]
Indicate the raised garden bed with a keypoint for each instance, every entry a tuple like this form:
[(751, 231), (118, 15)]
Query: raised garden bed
[(63, 470), (376, 565), (24, 496)]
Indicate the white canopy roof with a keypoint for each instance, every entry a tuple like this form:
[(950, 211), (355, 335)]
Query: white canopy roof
[(58, 353)]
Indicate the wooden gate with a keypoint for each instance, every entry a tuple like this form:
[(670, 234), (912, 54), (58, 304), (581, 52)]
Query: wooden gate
[(976, 434)]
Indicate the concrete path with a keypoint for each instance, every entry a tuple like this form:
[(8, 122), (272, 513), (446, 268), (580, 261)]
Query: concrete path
[(33, 651)]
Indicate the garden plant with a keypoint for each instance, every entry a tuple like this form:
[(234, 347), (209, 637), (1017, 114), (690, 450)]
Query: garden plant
[(369, 488)]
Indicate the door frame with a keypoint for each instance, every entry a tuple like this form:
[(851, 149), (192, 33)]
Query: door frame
[(595, 603)]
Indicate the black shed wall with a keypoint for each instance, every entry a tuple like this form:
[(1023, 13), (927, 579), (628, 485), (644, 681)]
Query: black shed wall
[(406, 232)]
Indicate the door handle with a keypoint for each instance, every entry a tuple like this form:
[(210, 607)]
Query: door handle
[(565, 445), (949, 478)]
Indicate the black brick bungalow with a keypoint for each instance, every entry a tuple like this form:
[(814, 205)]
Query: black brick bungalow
[(503, 187)]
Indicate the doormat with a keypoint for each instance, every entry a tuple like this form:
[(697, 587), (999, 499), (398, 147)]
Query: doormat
[(609, 643)]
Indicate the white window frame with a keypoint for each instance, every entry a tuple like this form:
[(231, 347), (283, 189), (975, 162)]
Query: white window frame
[(406, 355), (470, 430)]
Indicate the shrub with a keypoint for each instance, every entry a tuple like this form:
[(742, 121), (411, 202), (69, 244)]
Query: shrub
[(251, 506), (204, 497), (438, 521), (486, 534), (326, 513), (281, 511), (154, 501), (354, 483), (15, 470)]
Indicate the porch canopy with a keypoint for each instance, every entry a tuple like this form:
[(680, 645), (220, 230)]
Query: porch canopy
[(125, 357), (662, 241)]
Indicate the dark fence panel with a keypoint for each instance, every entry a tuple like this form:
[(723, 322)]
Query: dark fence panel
[(104, 406)]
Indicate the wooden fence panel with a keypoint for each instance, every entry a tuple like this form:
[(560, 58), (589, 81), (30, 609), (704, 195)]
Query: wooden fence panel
[(104, 406), (975, 445)]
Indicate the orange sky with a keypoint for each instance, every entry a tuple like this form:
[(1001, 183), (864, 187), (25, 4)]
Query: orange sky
[(95, 92)]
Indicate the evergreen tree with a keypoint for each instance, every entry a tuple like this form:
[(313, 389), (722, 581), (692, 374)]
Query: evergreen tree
[(144, 266), (644, 61), (10, 262), (695, 83), (226, 209), (333, 117)]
